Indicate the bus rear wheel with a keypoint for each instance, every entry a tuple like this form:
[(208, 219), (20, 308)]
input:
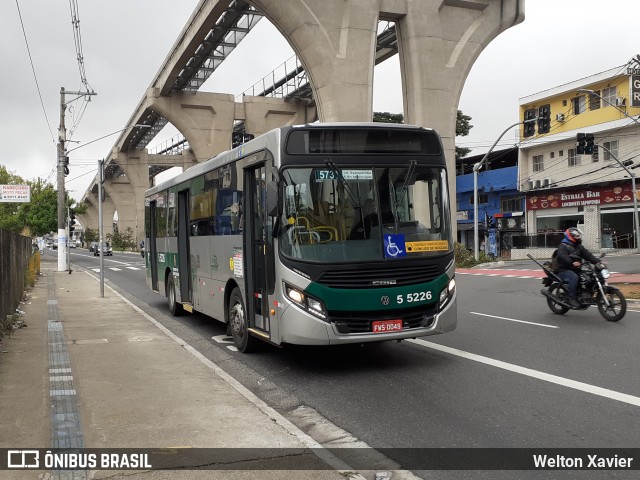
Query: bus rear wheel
[(239, 324), (174, 307)]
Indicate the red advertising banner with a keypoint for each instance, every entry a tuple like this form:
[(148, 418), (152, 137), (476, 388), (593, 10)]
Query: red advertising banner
[(580, 197)]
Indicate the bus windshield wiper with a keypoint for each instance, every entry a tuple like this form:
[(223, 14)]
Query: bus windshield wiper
[(407, 178), (355, 201)]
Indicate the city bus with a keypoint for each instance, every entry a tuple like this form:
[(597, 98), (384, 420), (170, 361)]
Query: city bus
[(321, 234)]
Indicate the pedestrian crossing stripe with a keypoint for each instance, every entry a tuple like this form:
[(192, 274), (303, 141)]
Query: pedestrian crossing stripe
[(115, 269)]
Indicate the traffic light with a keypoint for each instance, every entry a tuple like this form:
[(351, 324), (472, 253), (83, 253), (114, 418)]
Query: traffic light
[(529, 122), (589, 146), (544, 119), (72, 220), (580, 143)]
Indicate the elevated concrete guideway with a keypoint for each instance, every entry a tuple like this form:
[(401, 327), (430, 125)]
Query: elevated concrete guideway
[(337, 43)]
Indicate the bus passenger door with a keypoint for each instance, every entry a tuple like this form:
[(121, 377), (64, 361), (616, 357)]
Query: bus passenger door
[(184, 260), (258, 247), (152, 247)]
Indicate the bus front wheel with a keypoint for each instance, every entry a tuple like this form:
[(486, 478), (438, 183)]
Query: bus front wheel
[(174, 307), (239, 323)]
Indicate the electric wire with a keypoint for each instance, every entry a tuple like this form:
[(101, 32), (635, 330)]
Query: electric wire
[(35, 77)]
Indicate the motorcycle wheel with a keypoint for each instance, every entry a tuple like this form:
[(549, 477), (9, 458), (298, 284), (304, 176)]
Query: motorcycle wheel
[(558, 291), (617, 304)]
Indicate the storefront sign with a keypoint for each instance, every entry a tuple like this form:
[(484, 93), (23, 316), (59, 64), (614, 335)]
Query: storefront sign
[(579, 198), (15, 193), (634, 90)]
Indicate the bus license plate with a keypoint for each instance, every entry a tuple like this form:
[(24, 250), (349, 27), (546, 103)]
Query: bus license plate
[(386, 326)]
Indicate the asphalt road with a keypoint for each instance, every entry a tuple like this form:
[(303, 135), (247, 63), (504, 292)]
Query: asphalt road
[(514, 374)]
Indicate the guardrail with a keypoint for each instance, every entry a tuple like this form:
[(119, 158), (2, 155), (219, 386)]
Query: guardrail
[(18, 267)]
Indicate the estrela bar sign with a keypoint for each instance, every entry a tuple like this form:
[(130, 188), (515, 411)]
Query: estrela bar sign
[(579, 198)]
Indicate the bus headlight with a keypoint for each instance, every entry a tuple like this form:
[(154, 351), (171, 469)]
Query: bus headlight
[(310, 304), (447, 293)]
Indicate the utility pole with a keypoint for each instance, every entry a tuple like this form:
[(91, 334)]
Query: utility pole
[(63, 170)]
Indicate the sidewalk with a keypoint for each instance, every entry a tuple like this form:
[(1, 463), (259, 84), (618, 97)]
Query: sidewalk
[(98, 373)]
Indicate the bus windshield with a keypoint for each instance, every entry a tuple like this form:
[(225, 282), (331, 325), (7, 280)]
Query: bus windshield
[(334, 215)]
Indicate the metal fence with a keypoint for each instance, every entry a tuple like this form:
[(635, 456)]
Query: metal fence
[(15, 253)]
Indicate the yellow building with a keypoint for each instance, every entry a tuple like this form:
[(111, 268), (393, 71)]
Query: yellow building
[(592, 190)]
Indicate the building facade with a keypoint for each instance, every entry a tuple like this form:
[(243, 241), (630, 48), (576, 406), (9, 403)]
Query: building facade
[(565, 186)]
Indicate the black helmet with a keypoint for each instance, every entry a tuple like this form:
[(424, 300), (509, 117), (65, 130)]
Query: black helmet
[(575, 235)]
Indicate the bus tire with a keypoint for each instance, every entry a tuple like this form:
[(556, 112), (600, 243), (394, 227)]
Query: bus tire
[(239, 324), (174, 307)]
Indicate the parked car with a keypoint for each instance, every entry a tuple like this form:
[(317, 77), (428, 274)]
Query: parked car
[(93, 246), (106, 250)]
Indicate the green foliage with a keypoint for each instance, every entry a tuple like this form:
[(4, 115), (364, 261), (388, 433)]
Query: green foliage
[(90, 235), (122, 241), (386, 117), (40, 216), (462, 128), (466, 259)]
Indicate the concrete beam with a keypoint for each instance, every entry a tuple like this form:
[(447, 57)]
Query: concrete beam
[(205, 119), (261, 114)]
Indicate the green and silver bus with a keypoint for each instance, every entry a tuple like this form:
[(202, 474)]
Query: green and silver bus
[(313, 235)]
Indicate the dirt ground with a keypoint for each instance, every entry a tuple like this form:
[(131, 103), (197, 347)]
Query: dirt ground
[(630, 290)]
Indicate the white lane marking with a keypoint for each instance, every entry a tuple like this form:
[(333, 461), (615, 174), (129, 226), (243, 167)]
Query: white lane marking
[(514, 320), (97, 270), (133, 268), (233, 348), (115, 269), (547, 377), (222, 339), (273, 414)]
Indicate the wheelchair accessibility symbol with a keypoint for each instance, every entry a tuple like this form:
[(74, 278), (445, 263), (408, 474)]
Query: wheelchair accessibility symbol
[(394, 246)]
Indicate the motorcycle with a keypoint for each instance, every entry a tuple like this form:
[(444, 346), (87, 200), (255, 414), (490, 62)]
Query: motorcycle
[(592, 290)]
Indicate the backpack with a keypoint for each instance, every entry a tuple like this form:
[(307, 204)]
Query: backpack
[(554, 261)]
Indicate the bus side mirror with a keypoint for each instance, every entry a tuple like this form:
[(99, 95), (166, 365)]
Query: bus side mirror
[(272, 199)]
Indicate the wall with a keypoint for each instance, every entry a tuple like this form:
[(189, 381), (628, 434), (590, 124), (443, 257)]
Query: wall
[(15, 252)]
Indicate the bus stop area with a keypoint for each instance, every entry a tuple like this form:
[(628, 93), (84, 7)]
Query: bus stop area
[(99, 373)]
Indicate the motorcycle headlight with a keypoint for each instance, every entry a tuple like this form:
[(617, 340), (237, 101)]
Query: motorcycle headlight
[(605, 273)]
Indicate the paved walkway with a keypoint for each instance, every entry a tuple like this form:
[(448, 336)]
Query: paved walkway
[(98, 372)]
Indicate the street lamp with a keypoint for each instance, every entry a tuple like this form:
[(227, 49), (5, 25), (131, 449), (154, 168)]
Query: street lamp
[(476, 168), (635, 196)]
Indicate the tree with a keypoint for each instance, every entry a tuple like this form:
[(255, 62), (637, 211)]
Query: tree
[(462, 128), (386, 117), (9, 211), (41, 215), (90, 235), (38, 217)]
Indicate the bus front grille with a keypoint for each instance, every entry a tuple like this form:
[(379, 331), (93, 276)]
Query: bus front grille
[(367, 277), (360, 322)]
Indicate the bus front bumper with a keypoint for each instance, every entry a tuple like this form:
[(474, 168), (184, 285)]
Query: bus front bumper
[(301, 328)]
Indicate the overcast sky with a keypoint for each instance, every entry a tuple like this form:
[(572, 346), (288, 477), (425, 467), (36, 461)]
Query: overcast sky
[(124, 42)]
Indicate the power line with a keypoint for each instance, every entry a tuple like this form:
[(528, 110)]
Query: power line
[(35, 77)]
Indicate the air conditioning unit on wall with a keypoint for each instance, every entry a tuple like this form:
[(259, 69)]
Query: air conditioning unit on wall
[(537, 184), (560, 117), (546, 182), (619, 102)]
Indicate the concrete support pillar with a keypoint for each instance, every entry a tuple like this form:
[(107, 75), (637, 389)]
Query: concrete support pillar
[(205, 119), (89, 219), (592, 232), (261, 114), (335, 41), (108, 210), (121, 193), (438, 43)]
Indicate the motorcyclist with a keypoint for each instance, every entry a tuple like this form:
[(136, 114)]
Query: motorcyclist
[(566, 266)]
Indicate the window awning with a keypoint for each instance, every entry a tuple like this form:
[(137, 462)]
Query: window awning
[(469, 226)]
